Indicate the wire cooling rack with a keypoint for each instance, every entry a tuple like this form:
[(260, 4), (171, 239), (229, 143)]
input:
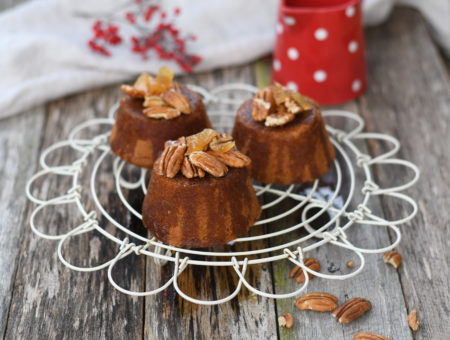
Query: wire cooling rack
[(309, 206)]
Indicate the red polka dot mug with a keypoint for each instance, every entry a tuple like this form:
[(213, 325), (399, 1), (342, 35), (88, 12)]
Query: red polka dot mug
[(319, 49)]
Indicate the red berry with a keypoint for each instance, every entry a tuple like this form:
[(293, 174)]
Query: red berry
[(130, 17), (177, 11)]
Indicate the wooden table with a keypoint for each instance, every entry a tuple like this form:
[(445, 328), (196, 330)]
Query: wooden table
[(408, 97)]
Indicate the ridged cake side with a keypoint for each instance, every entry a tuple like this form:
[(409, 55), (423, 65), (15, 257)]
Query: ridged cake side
[(201, 212), (297, 152)]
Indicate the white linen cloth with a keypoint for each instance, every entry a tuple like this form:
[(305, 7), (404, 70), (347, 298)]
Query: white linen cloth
[(44, 53)]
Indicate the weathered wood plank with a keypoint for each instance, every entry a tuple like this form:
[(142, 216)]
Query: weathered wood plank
[(410, 98), (18, 153), (51, 301), (245, 317)]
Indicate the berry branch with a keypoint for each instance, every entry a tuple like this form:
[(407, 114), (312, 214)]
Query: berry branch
[(156, 33)]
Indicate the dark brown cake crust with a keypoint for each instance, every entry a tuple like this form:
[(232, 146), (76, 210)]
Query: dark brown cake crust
[(138, 139), (200, 212), (297, 152)]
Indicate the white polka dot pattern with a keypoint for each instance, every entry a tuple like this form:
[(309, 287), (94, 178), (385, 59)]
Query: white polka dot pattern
[(321, 34), (276, 65), (290, 21), (353, 46), (279, 28), (292, 53), (320, 76), (293, 86), (356, 85), (321, 52), (350, 11)]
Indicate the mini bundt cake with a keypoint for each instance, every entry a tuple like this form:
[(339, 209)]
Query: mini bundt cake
[(200, 193), (153, 111), (284, 135)]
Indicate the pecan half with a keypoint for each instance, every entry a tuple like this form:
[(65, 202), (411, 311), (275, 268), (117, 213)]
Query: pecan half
[(260, 109), (190, 171), (278, 119), (413, 320), (393, 258), (297, 272), (222, 143), (351, 310), (177, 100), (286, 320), (171, 159), (232, 158), (319, 302), (266, 95), (132, 91), (162, 112), (208, 163), (292, 106), (368, 336), (153, 101)]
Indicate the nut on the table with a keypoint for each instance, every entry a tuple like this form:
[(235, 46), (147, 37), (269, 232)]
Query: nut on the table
[(413, 320), (286, 320), (368, 336), (351, 310), (393, 258), (319, 302)]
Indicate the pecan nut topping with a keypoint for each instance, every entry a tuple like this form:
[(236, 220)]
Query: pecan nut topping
[(208, 163), (279, 119), (231, 158), (368, 336), (177, 100), (277, 105), (171, 159), (153, 101), (132, 91), (222, 143), (266, 95), (351, 310), (163, 98), (198, 154), (161, 112), (297, 272), (190, 171), (319, 302), (260, 109)]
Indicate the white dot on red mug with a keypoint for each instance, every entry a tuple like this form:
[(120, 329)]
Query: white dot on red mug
[(290, 21), (279, 28), (320, 76), (356, 85), (293, 86), (293, 53), (352, 46), (276, 65), (350, 11), (321, 34)]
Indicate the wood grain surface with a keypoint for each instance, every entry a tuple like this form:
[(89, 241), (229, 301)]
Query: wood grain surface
[(408, 97)]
